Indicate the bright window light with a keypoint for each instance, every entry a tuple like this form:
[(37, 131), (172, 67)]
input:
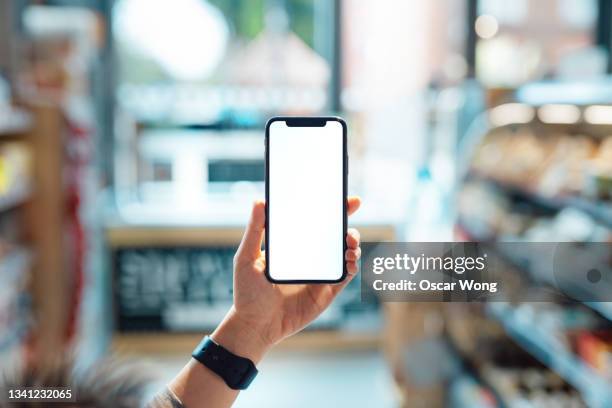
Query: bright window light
[(188, 38), (559, 113), (598, 114), (511, 113), (486, 26)]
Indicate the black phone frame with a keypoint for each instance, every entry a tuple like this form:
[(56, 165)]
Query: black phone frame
[(308, 121)]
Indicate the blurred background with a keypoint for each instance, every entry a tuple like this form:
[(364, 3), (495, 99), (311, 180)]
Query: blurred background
[(131, 149)]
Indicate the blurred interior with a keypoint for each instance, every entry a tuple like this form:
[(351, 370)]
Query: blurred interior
[(131, 148)]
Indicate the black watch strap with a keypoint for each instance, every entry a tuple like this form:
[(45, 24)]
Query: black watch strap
[(237, 372)]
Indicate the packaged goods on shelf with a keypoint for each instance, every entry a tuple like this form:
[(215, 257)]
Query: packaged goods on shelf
[(14, 300), (515, 377), (533, 182), (489, 212), (14, 167), (596, 349), (551, 164), (599, 173)]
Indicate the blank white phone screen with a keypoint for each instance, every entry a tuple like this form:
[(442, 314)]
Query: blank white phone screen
[(305, 202)]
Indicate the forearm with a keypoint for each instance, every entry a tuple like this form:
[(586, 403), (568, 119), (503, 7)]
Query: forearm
[(197, 386)]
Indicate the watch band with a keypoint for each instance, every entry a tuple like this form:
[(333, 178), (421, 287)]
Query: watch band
[(237, 372)]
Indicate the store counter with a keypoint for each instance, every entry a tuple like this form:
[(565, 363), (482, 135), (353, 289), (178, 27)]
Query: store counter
[(172, 277)]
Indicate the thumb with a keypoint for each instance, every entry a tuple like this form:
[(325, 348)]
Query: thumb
[(250, 246)]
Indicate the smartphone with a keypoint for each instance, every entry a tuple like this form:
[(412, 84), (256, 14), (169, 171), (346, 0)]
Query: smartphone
[(306, 199)]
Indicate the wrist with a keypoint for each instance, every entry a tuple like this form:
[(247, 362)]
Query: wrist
[(240, 337)]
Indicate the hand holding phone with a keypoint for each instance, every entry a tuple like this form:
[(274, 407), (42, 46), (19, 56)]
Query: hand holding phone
[(262, 313), (266, 313), (305, 224)]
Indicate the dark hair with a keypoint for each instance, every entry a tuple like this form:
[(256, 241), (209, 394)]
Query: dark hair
[(105, 384)]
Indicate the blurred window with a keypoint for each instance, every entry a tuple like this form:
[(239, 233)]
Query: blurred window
[(200, 61), (523, 40), (198, 78)]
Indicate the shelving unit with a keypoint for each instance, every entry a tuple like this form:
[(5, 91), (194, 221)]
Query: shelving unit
[(32, 268), (472, 363), (17, 196), (538, 342), (599, 212), (602, 308), (205, 238), (15, 125), (14, 122), (596, 390), (513, 205), (16, 261), (14, 269)]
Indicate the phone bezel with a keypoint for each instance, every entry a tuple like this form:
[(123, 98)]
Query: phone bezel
[(308, 121)]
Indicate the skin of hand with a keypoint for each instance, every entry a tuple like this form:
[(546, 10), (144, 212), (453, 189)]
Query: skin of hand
[(262, 314), (265, 312)]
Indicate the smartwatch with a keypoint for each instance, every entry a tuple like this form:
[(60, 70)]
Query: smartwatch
[(237, 372)]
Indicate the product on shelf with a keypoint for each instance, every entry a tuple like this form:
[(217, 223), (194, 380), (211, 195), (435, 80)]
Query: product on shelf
[(517, 378), (14, 259), (14, 167), (489, 211), (599, 173), (540, 183), (596, 349), (548, 163)]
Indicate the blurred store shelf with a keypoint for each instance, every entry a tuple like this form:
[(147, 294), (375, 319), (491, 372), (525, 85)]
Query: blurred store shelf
[(11, 345), (474, 364), (14, 304), (14, 122), (595, 389), (15, 265), (599, 211), (14, 197), (530, 179), (465, 391), (603, 308)]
